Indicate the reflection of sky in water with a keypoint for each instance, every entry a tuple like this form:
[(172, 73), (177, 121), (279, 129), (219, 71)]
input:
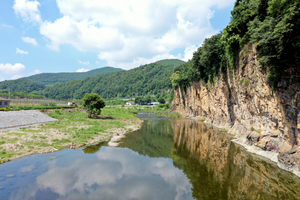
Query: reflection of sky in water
[(111, 173)]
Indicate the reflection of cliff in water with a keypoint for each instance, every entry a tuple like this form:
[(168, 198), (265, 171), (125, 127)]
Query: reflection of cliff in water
[(220, 169)]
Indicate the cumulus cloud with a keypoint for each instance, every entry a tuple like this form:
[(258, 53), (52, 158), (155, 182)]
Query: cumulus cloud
[(37, 71), (127, 32), (30, 40), (82, 70), (28, 10), (16, 77), (11, 69), (188, 52), (19, 51), (113, 169), (84, 62)]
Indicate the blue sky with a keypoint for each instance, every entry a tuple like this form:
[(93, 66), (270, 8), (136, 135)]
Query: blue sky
[(39, 36)]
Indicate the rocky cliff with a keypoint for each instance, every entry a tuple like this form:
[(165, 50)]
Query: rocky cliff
[(244, 102)]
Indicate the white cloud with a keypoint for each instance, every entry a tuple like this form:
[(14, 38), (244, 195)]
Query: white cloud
[(1, 79), (28, 10), (7, 26), (37, 71), (97, 62), (11, 69), (84, 62), (112, 170), (82, 70), (188, 52), (30, 40), (127, 32), (16, 77), (19, 51)]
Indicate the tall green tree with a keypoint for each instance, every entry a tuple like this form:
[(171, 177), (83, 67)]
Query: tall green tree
[(93, 103)]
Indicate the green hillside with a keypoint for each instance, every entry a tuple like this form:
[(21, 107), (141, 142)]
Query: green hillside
[(151, 78), (22, 85), (53, 78)]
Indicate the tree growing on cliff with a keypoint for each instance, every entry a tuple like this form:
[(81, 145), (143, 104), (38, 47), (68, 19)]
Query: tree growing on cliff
[(93, 103)]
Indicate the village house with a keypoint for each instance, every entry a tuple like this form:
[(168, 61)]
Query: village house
[(4, 102)]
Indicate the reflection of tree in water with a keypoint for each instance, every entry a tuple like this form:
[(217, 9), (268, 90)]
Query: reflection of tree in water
[(153, 139), (219, 169), (94, 148)]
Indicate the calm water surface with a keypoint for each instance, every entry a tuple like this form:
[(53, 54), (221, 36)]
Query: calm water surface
[(165, 159)]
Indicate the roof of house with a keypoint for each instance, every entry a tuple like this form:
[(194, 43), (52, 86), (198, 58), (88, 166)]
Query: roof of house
[(3, 99)]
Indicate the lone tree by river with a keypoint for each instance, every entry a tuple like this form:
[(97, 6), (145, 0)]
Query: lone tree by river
[(93, 103)]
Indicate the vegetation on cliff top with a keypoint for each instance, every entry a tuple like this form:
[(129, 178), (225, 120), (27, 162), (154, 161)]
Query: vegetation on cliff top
[(272, 25)]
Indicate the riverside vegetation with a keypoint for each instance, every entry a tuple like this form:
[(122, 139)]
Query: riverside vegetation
[(73, 129)]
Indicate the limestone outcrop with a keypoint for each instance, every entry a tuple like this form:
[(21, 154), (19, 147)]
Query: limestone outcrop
[(244, 102)]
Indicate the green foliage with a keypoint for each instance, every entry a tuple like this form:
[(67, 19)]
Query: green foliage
[(93, 104), (161, 100), (206, 63), (40, 107), (114, 102), (278, 37), (22, 85), (53, 78), (143, 100), (274, 25), (147, 79)]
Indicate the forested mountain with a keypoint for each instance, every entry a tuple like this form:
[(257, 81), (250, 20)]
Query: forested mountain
[(22, 85), (273, 26), (53, 78), (151, 78)]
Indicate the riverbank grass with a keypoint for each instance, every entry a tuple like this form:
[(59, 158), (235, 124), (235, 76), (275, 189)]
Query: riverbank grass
[(73, 129)]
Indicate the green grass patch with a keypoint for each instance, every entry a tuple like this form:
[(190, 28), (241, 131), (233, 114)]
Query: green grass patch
[(16, 133), (6, 154), (43, 137), (74, 125)]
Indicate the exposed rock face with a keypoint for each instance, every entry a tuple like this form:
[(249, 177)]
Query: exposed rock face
[(244, 103)]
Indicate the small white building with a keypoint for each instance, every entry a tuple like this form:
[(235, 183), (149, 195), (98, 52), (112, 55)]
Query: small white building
[(130, 103), (154, 103)]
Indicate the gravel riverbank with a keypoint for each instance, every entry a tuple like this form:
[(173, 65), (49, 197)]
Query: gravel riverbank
[(15, 119)]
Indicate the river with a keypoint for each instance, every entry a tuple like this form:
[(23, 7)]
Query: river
[(165, 159)]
